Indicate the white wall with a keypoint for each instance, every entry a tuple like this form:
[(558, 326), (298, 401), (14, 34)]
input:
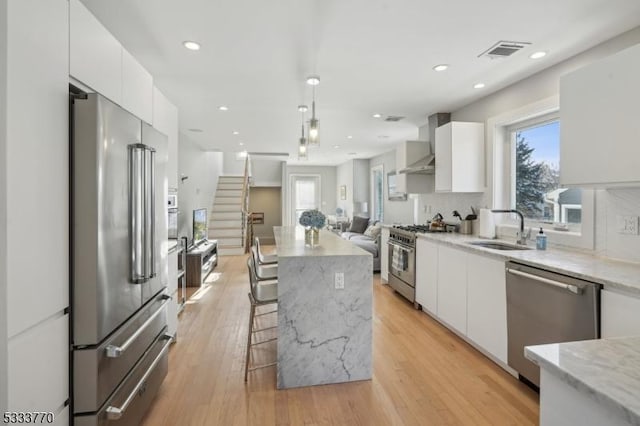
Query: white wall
[(3, 208), (394, 211), (344, 177), (361, 182), (233, 166), (266, 172), (36, 184), (198, 191), (327, 184)]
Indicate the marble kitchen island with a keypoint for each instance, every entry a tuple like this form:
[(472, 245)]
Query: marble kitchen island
[(324, 332)]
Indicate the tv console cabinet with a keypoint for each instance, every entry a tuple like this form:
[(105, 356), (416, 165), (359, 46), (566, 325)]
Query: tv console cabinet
[(201, 259)]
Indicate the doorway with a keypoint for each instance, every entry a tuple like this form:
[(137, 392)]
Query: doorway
[(305, 195)]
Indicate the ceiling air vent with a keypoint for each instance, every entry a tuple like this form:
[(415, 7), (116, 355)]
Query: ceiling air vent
[(503, 49), (393, 118)]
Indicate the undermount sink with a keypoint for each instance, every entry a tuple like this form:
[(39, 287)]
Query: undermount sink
[(496, 245)]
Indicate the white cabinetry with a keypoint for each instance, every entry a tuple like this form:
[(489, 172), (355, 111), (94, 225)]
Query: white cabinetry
[(96, 55), (98, 60), (487, 304), (452, 287), (599, 116), (408, 153), (384, 254), (427, 275), (165, 119), (460, 157), (137, 88), (620, 314)]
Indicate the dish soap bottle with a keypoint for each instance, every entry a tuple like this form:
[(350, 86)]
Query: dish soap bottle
[(541, 241)]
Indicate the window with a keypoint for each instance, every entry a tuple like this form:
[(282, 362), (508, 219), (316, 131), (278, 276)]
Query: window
[(536, 190), (305, 195), (377, 192)]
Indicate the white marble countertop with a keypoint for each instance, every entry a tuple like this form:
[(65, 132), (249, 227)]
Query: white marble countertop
[(612, 274), (608, 370), (290, 243)]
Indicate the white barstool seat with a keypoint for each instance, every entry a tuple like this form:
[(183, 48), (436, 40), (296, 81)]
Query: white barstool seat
[(264, 259), (263, 272)]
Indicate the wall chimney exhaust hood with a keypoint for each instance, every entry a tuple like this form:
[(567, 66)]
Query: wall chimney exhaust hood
[(426, 165)]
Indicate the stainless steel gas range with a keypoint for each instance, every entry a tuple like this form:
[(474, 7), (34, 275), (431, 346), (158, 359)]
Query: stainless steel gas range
[(402, 259)]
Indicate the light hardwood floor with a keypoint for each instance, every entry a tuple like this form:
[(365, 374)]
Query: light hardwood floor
[(422, 373)]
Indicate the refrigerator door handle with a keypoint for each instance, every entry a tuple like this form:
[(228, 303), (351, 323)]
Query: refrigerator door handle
[(152, 208), (114, 351), (136, 213), (114, 413)]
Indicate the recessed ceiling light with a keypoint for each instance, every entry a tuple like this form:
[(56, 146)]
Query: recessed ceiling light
[(478, 85), (303, 108), (349, 137), (313, 80), (383, 136), (235, 132), (241, 143), (191, 45), (538, 55), (353, 153), (195, 130), (223, 108), (336, 146), (376, 115), (440, 67)]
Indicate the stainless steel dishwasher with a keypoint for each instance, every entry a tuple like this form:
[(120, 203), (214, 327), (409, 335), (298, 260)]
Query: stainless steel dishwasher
[(547, 307)]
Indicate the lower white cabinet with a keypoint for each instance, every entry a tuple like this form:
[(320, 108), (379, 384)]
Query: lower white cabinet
[(427, 275), (384, 254), (487, 304), (452, 287), (620, 314)]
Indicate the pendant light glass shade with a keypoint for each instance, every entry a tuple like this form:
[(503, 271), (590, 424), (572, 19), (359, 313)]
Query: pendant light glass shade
[(314, 127), (302, 146)]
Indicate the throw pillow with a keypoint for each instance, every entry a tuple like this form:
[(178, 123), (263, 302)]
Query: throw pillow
[(373, 231), (359, 224)]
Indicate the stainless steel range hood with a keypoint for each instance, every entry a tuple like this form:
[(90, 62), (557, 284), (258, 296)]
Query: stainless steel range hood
[(427, 164)]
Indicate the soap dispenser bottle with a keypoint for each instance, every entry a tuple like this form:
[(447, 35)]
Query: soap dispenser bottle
[(541, 240)]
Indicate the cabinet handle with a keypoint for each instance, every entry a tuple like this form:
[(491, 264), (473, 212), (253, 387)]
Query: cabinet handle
[(115, 413), (114, 351)]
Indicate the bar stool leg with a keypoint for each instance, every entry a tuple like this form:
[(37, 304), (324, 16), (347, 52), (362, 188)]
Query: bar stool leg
[(251, 316)]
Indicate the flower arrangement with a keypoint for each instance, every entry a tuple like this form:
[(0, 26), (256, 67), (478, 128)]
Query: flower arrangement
[(313, 219)]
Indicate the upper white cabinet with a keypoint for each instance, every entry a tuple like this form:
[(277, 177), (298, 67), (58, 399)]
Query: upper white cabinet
[(452, 287), (165, 119), (137, 88), (620, 314), (599, 122), (427, 275), (487, 304), (98, 60), (408, 153), (96, 55), (460, 157)]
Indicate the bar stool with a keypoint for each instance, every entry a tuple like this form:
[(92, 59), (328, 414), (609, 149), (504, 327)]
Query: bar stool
[(262, 293), (263, 272), (264, 259)]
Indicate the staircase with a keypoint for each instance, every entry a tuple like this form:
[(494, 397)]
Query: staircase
[(226, 219)]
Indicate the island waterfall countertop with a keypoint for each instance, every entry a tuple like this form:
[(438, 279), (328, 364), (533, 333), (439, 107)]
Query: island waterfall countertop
[(607, 370), (324, 331)]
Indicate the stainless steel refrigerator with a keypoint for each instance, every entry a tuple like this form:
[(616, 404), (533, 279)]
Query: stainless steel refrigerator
[(119, 265)]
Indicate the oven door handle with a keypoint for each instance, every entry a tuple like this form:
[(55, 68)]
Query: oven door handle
[(402, 247)]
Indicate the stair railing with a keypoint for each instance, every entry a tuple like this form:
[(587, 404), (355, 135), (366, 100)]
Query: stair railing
[(246, 215)]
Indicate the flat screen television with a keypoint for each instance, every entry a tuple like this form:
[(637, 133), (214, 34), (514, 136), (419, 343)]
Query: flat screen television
[(199, 225)]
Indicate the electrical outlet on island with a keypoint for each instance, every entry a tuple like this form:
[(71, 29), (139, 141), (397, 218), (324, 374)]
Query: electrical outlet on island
[(339, 281)]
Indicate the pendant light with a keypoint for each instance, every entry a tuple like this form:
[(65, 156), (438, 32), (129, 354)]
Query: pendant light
[(314, 123), (302, 143)]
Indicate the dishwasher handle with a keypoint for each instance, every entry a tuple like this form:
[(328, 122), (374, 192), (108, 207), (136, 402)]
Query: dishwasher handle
[(572, 288)]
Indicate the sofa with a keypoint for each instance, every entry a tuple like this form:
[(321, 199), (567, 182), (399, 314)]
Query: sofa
[(365, 233)]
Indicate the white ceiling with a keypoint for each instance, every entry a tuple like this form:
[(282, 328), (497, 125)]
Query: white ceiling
[(372, 56)]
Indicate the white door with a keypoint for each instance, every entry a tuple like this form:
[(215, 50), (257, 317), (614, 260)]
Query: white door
[(305, 195)]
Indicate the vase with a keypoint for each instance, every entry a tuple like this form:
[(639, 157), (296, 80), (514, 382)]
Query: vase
[(311, 236)]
